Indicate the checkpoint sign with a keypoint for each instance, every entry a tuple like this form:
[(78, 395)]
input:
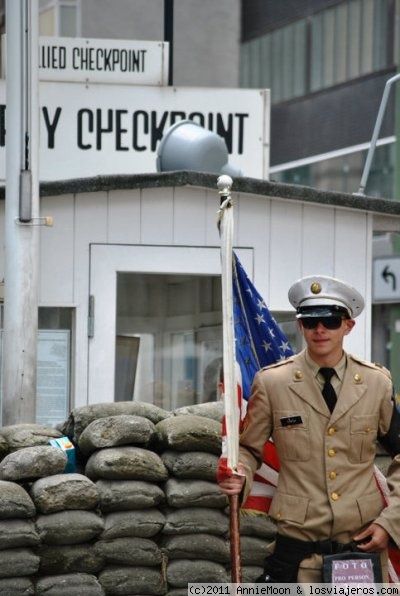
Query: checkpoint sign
[(386, 280)]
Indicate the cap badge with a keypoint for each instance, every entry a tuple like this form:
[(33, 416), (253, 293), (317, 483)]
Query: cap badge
[(315, 287)]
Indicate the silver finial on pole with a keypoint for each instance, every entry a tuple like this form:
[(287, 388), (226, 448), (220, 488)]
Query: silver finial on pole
[(224, 184)]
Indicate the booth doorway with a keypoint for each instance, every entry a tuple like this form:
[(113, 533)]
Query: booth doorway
[(156, 334)]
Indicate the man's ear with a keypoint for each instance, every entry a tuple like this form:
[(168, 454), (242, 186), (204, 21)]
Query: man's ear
[(349, 325)]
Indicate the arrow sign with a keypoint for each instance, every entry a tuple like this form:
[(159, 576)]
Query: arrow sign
[(388, 276), (386, 272)]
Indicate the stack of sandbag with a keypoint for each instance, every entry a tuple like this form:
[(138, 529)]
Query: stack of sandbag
[(25, 457), (195, 532), (142, 515), (68, 523), (257, 532), (129, 476), (18, 538), (35, 469)]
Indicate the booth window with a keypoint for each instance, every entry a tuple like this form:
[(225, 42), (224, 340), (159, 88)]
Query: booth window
[(53, 395), (169, 338)]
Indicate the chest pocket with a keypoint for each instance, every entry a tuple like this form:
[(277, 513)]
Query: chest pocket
[(292, 440), (363, 434)]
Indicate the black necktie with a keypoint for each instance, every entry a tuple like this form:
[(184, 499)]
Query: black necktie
[(328, 391)]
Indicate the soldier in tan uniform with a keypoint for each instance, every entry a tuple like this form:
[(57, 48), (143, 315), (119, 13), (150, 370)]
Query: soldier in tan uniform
[(327, 500)]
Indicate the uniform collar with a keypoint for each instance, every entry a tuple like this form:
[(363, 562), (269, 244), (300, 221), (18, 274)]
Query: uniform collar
[(340, 367)]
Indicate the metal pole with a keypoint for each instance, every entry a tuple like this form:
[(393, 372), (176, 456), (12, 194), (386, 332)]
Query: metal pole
[(231, 409), (375, 134), (19, 352), (169, 36)]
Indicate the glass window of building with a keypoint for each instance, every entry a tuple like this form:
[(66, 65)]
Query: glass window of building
[(342, 173), (54, 370), (337, 44), (169, 338), (59, 18)]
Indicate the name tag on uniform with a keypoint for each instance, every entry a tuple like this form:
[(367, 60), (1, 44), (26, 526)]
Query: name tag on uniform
[(291, 420)]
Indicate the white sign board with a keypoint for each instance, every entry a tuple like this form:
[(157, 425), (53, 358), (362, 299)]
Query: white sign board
[(79, 60), (92, 130), (53, 376), (386, 280)]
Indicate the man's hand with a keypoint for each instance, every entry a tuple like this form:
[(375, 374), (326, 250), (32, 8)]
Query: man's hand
[(372, 539), (230, 482)]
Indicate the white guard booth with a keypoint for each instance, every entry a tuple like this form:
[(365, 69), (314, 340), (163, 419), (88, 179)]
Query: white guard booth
[(130, 277)]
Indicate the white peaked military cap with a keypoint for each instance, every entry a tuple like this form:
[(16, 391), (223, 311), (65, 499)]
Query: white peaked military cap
[(323, 296)]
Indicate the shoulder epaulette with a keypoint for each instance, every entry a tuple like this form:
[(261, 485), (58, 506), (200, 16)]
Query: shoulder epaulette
[(367, 363), (278, 363)]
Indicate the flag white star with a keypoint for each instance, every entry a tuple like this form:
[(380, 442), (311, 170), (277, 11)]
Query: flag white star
[(284, 346), (266, 345), (259, 319)]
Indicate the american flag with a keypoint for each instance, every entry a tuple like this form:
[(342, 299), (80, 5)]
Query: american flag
[(259, 341)]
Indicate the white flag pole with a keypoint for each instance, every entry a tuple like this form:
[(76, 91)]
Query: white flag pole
[(231, 405)]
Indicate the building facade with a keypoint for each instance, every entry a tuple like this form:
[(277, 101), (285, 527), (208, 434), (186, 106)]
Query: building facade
[(130, 289), (326, 63)]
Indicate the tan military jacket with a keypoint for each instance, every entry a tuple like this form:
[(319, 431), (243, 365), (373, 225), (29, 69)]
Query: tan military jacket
[(326, 485)]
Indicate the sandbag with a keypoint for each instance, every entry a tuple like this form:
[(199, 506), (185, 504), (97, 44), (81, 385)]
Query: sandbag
[(69, 527), (197, 546), (194, 493), (257, 525), (20, 436), (64, 491), (126, 463), (143, 523), (15, 533), (183, 571), (130, 551), (18, 562), (254, 550), (124, 495), (209, 409), (191, 520), (15, 501), (198, 465), (190, 433), (112, 431), (75, 558), (73, 584), (81, 417), (132, 580), (16, 586), (31, 463)]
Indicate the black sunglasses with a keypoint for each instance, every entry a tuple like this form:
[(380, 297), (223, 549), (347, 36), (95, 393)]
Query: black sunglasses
[(327, 322)]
